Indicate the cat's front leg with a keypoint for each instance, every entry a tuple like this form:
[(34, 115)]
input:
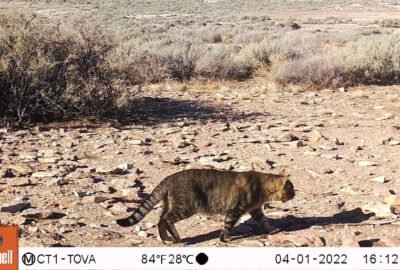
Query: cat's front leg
[(262, 220)]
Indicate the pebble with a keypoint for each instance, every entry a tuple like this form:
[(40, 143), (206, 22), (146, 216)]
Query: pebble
[(367, 163)]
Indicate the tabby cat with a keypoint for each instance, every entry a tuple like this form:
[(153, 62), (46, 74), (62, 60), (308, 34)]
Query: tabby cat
[(209, 191)]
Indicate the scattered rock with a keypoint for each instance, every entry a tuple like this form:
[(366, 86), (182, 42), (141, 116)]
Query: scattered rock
[(150, 225), (367, 163), (349, 190), (394, 142), (44, 174), (312, 173), (22, 169), (315, 136), (386, 116), (105, 170), (142, 234), (338, 142), (297, 144), (36, 213), (136, 142), (68, 221), (99, 199), (119, 207), (379, 179), (80, 194), (60, 182), (125, 166), (288, 138), (49, 160), (19, 181)]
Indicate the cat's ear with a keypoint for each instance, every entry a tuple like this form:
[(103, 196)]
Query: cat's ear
[(288, 184), (283, 172)]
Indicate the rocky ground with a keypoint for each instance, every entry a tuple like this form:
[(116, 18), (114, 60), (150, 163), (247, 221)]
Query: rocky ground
[(65, 184)]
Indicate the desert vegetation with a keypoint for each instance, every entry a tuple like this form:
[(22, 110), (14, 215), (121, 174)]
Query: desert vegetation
[(55, 66)]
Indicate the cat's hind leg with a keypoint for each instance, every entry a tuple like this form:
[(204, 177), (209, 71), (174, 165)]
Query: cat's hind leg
[(173, 216)]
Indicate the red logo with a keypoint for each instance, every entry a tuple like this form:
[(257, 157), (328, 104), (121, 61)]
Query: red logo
[(8, 248)]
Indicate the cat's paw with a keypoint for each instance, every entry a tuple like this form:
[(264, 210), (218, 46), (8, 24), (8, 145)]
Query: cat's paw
[(167, 243), (224, 237)]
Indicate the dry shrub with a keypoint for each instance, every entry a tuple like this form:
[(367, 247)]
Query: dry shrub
[(250, 37), (211, 36), (390, 23), (318, 71), (47, 72), (373, 61), (157, 62), (360, 62), (220, 63)]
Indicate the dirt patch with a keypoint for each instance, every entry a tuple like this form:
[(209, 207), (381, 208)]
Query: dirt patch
[(67, 183)]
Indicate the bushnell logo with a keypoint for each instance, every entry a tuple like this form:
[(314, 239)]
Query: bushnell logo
[(8, 247)]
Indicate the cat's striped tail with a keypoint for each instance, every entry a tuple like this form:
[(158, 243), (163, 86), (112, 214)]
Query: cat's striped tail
[(157, 195)]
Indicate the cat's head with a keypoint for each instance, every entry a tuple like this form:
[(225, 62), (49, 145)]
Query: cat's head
[(283, 189), (286, 192)]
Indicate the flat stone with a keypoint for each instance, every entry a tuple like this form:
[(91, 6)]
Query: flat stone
[(18, 181), (149, 225), (288, 138), (36, 213), (367, 163), (394, 142), (119, 207), (49, 160), (44, 174), (349, 190), (142, 234), (125, 166), (135, 142), (22, 169), (129, 192), (104, 170), (68, 221), (379, 179), (99, 199), (297, 144)]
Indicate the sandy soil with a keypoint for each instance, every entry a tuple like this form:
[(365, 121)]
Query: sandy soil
[(64, 188)]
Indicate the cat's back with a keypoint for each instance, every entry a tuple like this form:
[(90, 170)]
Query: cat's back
[(211, 178)]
